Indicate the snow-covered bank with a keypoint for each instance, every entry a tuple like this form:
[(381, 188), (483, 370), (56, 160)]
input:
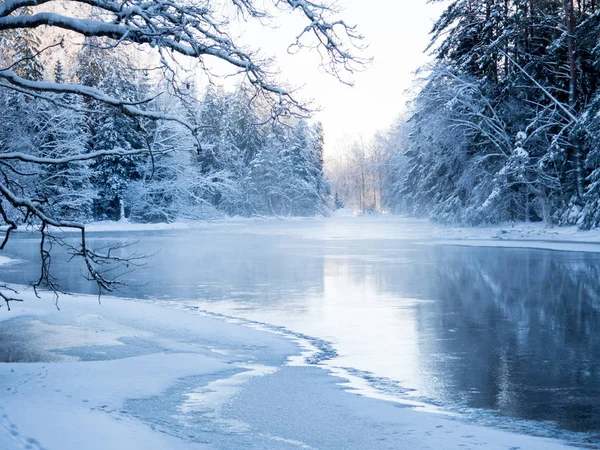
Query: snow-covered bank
[(125, 226), (133, 226), (129, 374), (82, 364), (526, 235)]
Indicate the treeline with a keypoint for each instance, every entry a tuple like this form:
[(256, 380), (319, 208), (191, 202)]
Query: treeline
[(244, 163), (505, 124)]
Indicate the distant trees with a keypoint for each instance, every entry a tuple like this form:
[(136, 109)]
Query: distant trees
[(286, 176), (263, 168), (91, 138), (505, 126), (248, 165), (358, 174)]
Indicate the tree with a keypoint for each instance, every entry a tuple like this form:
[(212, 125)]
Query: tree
[(346, 172), (66, 188), (26, 45), (169, 29), (338, 202), (505, 122)]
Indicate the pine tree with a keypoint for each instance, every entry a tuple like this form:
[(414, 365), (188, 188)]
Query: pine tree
[(66, 188), (26, 47), (504, 69), (109, 128)]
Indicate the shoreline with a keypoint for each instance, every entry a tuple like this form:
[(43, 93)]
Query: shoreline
[(523, 235), (520, 235)]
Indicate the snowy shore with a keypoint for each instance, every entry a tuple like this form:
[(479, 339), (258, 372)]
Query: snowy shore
[(525, 235), (128, 374)]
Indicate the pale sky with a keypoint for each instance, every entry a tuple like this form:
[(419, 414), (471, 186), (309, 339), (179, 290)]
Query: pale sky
[(397, 33)]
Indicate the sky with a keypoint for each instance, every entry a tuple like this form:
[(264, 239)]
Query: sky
[(397, 33)]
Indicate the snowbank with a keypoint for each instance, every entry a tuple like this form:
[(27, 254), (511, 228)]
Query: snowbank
[(131, 226), (125, 226), (129, 374), (108, 354), (526, 235)]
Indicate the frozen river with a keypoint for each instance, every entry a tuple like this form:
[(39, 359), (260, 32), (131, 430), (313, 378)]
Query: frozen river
[(509, 336)]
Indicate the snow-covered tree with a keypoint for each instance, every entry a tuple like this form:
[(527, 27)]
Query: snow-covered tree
[(65, 188), (504, 126)]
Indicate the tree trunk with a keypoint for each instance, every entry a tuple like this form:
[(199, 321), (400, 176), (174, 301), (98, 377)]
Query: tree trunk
[(570, 25), (572, 59)]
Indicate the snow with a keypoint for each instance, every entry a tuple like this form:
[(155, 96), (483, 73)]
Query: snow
[(523, 235), (106, 226), (81, 404), (128, 374), (5, 260), (78, 405), (521, 152)]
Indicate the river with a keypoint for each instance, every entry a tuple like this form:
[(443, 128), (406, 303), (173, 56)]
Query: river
[(509, 336)]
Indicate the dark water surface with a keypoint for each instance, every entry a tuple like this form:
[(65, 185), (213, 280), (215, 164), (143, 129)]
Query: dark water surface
[(507, 331)]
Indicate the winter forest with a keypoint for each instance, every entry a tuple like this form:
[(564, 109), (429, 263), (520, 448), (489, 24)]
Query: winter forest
[(504, 123), (503, 127), (243, 224), (248, 164)]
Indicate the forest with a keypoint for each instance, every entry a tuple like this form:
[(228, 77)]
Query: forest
[(504, 124), (247, 163)]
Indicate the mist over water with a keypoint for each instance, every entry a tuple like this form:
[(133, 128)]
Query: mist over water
[(513, 331)]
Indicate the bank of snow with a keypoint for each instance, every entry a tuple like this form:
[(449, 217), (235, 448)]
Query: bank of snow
[(109, 226), (527, 235), (129, 375), (79, 368), (125, 226)]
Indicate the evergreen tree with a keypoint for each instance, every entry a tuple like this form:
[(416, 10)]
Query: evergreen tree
[(66, 187), (512, 99), (26, 46), (110, 129)]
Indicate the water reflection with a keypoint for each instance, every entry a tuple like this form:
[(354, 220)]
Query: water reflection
[(524, 326), (511, 330)]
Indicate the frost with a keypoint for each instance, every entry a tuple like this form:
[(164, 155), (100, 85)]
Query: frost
[(492, 197), (520, 152)]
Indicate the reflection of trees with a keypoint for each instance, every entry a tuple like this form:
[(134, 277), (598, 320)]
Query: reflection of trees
[(515, 330), (525, 324)]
